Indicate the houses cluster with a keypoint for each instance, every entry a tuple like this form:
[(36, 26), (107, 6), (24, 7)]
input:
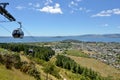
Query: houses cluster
[(105, 52)]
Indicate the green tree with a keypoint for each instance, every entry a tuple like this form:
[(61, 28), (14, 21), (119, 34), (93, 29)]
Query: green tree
[(51, 69)]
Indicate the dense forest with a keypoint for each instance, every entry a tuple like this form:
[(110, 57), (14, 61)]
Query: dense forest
[(44, 53)]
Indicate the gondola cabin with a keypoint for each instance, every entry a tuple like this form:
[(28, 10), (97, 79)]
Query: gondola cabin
[(30, 50), (18, 33)]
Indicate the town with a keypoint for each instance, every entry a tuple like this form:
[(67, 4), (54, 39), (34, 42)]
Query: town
[(108, 53)]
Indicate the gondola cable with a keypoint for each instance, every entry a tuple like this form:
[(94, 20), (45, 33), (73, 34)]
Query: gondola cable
[(5, 28), (5, 21), (29, 34)]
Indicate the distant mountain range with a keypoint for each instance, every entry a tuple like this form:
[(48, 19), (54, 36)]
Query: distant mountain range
[(104, 35), (94, 35)]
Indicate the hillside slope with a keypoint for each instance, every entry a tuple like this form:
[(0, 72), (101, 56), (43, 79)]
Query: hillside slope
[(104, 69), (6, 74)]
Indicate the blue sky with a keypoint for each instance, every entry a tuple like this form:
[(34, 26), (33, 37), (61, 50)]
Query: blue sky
[(63, 17)]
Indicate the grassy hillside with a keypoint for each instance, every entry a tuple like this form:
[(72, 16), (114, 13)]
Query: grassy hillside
[(6, 74), (104, 69), (76, 52), (39, 68)]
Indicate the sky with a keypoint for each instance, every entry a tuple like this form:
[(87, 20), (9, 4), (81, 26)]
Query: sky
[(62, 17)]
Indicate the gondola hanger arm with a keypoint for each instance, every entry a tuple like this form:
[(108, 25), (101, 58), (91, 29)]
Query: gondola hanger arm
[(20, 24), (5, 13), (4, 4)]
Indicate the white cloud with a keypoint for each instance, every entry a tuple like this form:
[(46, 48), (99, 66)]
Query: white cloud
[(101, 15), (80, 8), (52, 9), (37, 5), (116, 11), (105, 25), (107, 13), (48, 2), (47, 8), (20, 7), (78, 0), (73, 4), (84, 9), (57, 5)]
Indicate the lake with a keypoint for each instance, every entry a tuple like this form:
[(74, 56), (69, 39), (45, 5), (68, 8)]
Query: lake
[(51, 39)]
